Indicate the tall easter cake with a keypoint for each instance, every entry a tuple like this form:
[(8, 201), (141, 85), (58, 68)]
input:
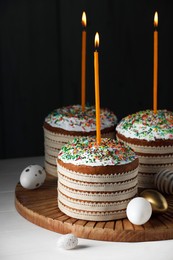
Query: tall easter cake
[(63, 124), (96, 182), (150, 135)]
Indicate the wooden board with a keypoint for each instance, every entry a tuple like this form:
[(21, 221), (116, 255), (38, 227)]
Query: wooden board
[(40, 207)]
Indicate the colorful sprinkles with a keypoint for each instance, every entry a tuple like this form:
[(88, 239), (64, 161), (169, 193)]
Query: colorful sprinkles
[(85, 151), (72, 118), (147, 125)]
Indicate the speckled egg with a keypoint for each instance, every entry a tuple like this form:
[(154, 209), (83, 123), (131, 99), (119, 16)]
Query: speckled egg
[(32, 177), (163, 181), (138, 211), (68, 241)]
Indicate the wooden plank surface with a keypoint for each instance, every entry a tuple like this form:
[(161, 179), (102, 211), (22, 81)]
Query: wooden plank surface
[(40, 207)]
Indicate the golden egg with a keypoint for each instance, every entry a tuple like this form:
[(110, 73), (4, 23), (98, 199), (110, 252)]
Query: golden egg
[(158, 202)]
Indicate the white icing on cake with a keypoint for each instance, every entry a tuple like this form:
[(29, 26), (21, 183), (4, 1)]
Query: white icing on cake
[(72, 118), (147, 125), (85, 151)]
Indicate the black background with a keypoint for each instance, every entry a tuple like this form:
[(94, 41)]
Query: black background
[(40, 62)]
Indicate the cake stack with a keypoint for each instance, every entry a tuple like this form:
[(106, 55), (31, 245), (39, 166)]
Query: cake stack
[(96, 182), (150, 135), (66, 123)]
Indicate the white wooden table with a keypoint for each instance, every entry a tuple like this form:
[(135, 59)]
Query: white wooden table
[(22, 240)]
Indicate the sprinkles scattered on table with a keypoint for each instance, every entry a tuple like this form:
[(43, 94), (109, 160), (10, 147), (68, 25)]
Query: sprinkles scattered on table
[(147, 125), (72, 118), (85, 151)]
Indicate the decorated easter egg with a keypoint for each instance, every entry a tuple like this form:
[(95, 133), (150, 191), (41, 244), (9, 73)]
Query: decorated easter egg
[(32, 177), (163, 181), (158, 202), (68, 241), (138, 211)]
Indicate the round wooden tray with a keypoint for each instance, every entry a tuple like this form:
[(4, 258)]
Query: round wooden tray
[(40, 207)]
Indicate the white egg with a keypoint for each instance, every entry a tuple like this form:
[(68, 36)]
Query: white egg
[(32, 177), (68, 241), (139, 211)]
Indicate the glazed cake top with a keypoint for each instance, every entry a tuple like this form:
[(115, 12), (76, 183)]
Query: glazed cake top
[(147, 125), (85, 151), (72, 118)]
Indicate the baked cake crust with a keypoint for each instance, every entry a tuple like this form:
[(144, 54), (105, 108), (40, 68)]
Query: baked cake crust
[(155, 143), (108, 169), (151, 137), (64, 124), (76, 133), (96, 182)]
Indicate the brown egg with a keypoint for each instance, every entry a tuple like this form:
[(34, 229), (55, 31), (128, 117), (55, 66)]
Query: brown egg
[(158, 202)]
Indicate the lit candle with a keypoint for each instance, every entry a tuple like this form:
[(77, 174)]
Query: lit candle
[(155, 63), (83, 63), (97, 94)]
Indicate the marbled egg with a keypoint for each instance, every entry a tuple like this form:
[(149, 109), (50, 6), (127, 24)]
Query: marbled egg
[(68, 241), (32, 177), (163, 181), (158, 202), (138, 211)]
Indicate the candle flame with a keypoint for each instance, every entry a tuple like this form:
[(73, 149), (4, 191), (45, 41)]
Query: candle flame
[(84, 19), (156, 19), (96, 40)]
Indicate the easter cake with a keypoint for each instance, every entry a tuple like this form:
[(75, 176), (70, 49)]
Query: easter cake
[(96, 182), (150, 135), (63, 124)]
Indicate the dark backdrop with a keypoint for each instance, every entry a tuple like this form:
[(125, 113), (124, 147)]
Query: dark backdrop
[(40, 62)]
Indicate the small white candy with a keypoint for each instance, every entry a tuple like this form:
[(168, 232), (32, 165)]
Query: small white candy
[(139, 211), (68, 241), (32, 177)]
